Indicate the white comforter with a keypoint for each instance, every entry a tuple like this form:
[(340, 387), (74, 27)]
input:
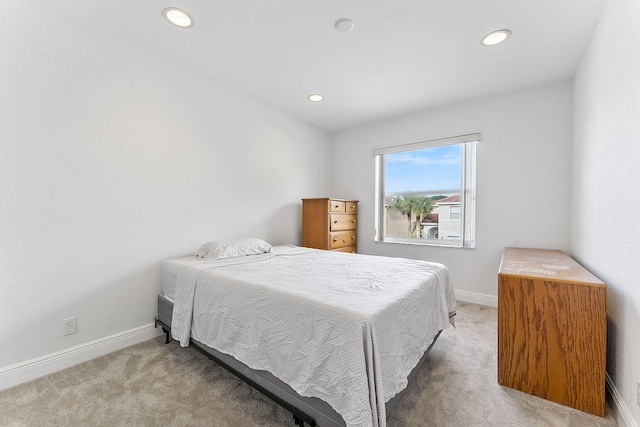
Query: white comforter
[(345, 328)]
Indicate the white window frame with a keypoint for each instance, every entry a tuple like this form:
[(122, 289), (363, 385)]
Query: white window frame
[(467, 196)]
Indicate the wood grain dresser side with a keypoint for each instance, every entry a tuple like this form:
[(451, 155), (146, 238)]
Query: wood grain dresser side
[(552, 328)]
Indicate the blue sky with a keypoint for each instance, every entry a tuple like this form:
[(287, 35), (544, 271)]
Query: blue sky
[(429, 169)]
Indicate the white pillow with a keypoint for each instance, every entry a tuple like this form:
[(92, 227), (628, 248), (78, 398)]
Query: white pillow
[(233, 249)]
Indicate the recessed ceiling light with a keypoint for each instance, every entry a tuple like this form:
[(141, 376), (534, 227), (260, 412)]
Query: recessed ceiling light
[(315, 97), (496, 37), (178, 17), (344, 25)]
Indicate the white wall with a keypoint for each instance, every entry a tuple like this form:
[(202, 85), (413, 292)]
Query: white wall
[(113, 160), (606, 184), (523, 178)]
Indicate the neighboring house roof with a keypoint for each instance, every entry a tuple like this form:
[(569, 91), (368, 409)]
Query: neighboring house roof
[(451, 199), (430, 218)]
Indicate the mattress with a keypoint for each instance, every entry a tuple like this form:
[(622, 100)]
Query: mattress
[(171, 269), (347, 329)]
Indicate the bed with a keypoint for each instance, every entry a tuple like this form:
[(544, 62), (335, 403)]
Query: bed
[(333, 337)]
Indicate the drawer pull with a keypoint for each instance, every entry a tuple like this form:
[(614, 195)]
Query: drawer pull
[(335, 240), (353, 237), (353, 221), (335, 222)]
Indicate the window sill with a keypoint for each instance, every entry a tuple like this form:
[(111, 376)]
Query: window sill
[(455, 245)]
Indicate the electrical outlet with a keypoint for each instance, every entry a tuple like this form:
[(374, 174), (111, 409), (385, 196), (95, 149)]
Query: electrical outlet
[(69, 326)]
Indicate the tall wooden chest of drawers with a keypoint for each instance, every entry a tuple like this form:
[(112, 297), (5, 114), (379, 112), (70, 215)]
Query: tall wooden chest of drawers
[(552, 328), (330, 224)]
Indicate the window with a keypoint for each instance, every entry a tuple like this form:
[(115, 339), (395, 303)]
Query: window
[(425, 192), (455, 212)]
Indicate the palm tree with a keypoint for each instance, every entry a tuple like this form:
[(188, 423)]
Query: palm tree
[(410, 205)]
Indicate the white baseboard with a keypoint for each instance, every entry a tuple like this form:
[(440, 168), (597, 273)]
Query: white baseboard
[(620, 409), (475, 298), (50, 363)]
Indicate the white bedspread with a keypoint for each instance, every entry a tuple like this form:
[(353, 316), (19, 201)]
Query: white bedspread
[(345, 328)]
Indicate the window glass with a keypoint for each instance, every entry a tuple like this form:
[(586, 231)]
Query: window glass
[(425, 192)]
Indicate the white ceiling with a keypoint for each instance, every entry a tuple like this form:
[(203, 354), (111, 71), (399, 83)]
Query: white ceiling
[(401, 56)]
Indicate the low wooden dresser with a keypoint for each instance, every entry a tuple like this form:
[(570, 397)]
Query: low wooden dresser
[(552, 328), (330, 224)]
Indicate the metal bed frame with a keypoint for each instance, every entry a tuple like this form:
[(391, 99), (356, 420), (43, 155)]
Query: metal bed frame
[(300, 417)]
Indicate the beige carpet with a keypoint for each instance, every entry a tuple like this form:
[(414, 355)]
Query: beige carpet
[(153, 384)]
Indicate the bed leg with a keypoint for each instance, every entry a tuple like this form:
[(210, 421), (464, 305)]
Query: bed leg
[(298, 421), (167, 332), (167, 335)]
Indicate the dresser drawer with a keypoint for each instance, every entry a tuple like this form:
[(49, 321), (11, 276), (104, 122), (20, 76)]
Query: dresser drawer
[(342, 222), (349, 249), (351, 207), (341, 239), (337, 206)]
